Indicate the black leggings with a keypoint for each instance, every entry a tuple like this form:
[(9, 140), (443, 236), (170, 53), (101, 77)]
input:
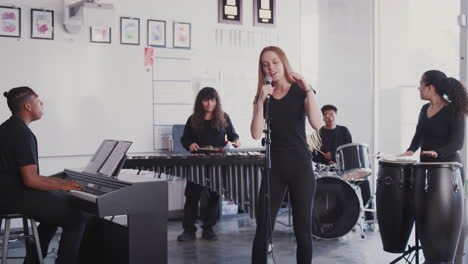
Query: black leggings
[(291, 170), (208, 213)]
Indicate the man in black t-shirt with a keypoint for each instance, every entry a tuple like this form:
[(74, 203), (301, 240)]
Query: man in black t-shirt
[(333, 136), (24, 191)]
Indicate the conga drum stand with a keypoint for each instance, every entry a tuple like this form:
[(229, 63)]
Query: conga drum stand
[(408, 256)]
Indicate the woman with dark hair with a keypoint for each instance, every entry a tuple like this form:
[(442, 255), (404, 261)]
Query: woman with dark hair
[(205, 130), (440, 132), (291, 100), (24, 191)]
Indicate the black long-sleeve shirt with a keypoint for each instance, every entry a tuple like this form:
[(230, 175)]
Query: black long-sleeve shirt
[(443, 133), (331, 140), (208, 136)]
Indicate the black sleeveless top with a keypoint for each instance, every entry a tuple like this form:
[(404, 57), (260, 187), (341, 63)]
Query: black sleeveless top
[(288, 121)]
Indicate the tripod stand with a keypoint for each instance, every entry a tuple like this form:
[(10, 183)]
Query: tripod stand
[(412, 253)]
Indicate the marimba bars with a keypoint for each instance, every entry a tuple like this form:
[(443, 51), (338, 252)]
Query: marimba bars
[(236, 175)]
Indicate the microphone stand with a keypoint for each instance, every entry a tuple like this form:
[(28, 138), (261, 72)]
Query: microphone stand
[(266, 141)]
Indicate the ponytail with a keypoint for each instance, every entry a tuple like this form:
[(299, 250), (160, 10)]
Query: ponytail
[(450, 89), (454, 92)]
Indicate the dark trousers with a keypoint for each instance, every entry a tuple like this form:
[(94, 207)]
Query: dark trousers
[(209, 207), (52, 209), (364, 186), (291, 170)]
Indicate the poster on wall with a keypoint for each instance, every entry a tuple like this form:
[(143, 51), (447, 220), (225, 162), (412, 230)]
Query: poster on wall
[(100, 34), (10, 21), (130, 31), (42, 24), (156, 33), (182, 35)]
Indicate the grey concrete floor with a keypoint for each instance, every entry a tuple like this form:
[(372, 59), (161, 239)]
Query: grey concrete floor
[(235, 241)]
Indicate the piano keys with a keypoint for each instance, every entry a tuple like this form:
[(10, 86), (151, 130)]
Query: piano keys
[(144, 201)]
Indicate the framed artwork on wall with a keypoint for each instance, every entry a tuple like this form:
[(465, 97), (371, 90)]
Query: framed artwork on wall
[(130, 31), (10, 22), (182, 35), (42, 24), (264, 13), (230, 11), (156, 33), (100, 34)]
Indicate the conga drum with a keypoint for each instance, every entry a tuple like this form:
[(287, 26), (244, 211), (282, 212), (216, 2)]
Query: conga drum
[(394, 204), (438, 200)]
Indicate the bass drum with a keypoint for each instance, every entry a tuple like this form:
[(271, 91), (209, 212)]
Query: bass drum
[(336, 208)]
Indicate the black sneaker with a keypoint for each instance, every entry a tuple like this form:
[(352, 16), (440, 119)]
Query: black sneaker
[(209, 234), (187, 236)]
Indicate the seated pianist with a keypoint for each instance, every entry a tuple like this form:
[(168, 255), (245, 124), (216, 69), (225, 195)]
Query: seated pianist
[(24, 191)]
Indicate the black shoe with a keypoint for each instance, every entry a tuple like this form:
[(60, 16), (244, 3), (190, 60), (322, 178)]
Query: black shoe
[(209, 234), (187, 236)]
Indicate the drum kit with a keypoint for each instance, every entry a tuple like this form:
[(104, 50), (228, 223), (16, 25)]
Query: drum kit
[(337, 206), (428, 195)]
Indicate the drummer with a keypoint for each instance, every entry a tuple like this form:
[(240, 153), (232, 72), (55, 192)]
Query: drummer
[(333, 136)]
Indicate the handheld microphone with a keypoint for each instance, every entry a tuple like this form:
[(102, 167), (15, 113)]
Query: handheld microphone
[(268, 80)]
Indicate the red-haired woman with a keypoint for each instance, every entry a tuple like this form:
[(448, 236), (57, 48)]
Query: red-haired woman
[(291, 101)]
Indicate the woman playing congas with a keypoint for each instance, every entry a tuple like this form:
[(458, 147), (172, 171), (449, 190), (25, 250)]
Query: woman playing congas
[(438, 192)]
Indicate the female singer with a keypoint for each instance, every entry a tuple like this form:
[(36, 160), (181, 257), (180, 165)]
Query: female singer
[(292, 99), (206, 127)]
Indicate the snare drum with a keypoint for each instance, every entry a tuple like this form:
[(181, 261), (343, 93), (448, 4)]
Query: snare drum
[(353, 161), (336, 208)]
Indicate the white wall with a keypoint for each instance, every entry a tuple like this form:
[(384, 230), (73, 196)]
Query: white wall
[(352, 47), (337, 57), (337, 52), (97, 91), (415, 36)]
